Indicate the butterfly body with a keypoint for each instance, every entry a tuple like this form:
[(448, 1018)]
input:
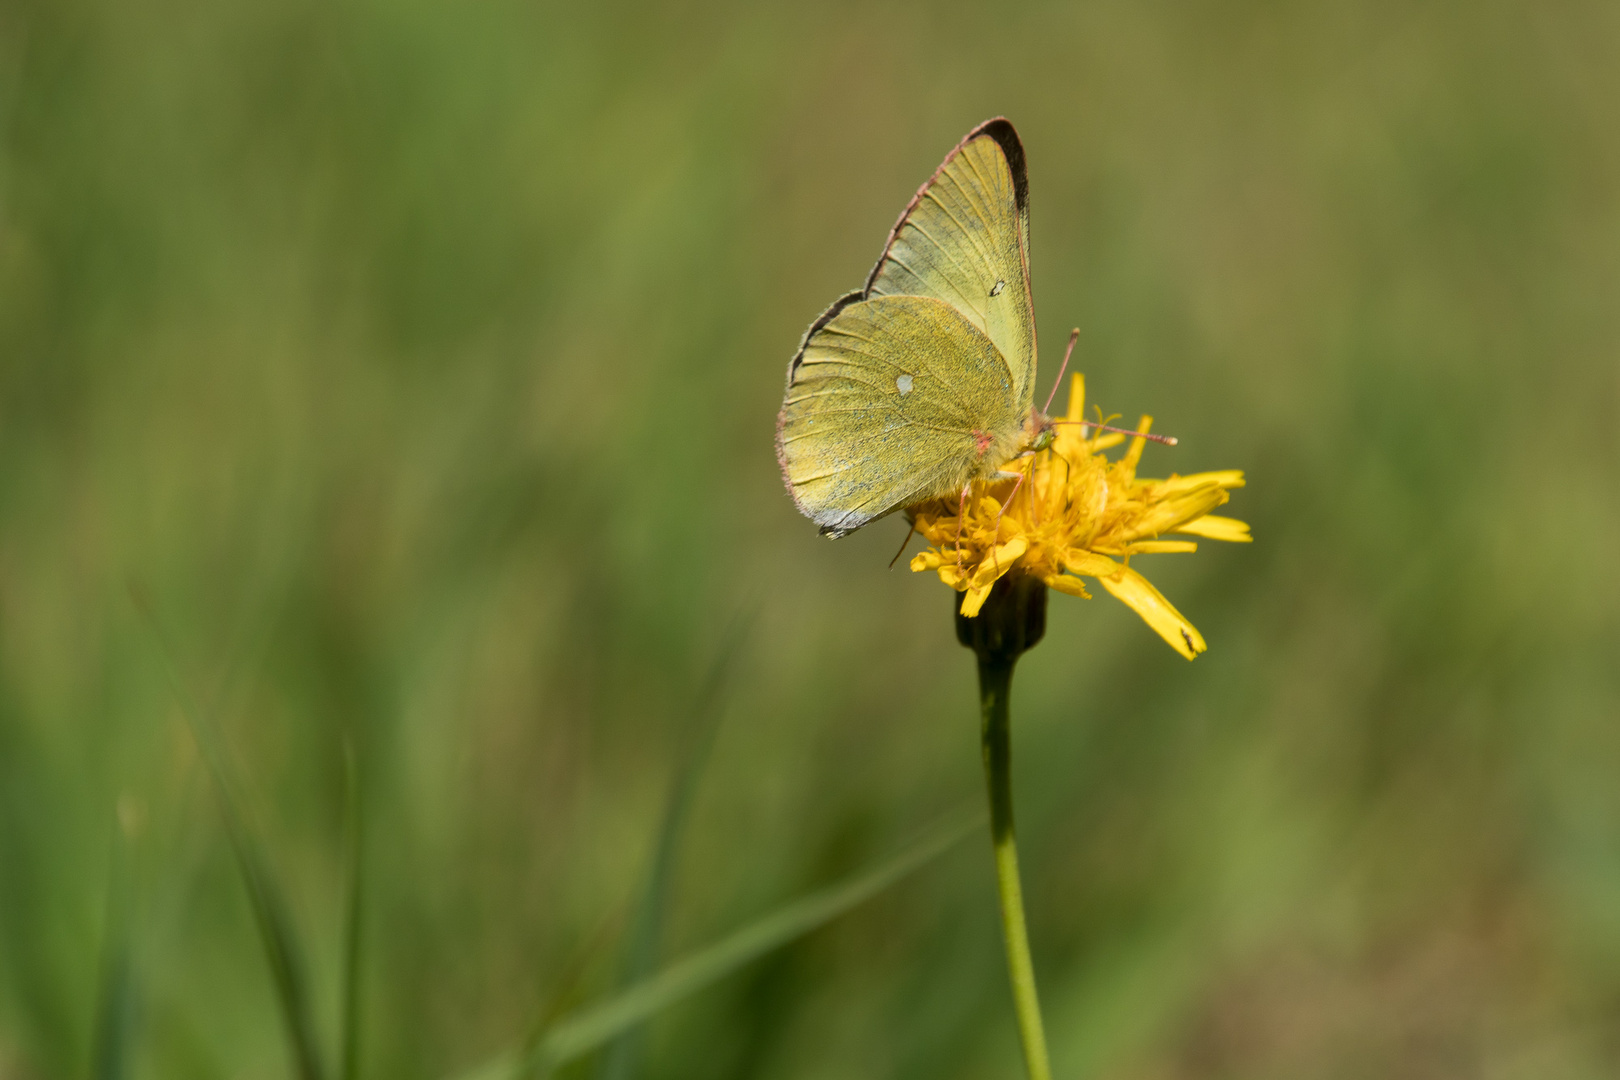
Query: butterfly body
[(923, 381)]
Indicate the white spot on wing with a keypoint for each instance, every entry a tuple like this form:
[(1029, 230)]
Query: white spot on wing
[(995, 290), (904, 384)]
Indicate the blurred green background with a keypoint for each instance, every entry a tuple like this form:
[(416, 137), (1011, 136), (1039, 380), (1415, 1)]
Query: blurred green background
[(418, 364)]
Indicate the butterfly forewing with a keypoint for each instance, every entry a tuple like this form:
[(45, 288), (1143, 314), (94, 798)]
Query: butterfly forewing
[(891, 401), (965, 240)]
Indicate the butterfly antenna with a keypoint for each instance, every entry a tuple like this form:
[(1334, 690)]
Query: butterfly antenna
[(1168, 440), (1074, 336)]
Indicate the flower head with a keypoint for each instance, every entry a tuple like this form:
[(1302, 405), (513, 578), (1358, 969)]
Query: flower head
[(1071, 514)]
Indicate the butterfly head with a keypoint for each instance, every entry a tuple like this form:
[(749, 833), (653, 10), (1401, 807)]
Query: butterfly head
[(1039, 431)]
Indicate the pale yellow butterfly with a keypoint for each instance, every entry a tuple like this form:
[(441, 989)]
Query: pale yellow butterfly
[(923, 382)]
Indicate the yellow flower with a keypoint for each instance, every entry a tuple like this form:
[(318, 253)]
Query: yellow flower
[(1075, 514)]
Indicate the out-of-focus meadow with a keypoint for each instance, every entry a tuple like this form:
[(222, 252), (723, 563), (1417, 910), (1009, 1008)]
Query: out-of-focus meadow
[(414, 366)]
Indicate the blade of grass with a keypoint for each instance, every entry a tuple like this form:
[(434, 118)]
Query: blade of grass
[(281, 945), (589, 1028), (116, 1001), (354, 823), (619, 1059), (566, 991), (264, 896)]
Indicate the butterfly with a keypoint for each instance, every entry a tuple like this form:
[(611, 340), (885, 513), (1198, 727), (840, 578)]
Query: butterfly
[(923, 382)]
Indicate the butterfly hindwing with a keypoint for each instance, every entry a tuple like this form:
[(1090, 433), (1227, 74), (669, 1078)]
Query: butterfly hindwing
[(891, 400), (965, 240)]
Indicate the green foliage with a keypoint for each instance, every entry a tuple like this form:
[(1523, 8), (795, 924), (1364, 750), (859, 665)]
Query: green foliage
[(646, 935), (283, 950), (626, 1009), (421, 363)]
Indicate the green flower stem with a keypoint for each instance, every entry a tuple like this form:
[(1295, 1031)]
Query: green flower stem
[(1012, 619), (995, 684)]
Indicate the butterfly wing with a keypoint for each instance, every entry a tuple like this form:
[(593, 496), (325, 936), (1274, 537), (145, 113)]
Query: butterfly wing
[(891, 401), (965, 240)]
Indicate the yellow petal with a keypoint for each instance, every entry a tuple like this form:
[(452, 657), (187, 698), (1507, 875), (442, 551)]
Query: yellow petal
[(1090, 564), (1067, 583), (1107, 441), (998, 561), (1011, 525), (1134, 454), (1176, 511), (1226, 478), (974, 599), (926, 560), (935, 528), (1077, 397), (1160, 547), (1156, 611), (1069, 445), (1214, 527)]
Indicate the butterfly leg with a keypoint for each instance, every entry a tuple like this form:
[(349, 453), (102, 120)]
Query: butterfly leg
[(961, 523), (999, 475), (909, 534), (1002, 474), (1034, 508)]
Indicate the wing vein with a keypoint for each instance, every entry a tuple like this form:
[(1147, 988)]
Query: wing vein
[(964, 271), (971, 236), (985, 187)]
